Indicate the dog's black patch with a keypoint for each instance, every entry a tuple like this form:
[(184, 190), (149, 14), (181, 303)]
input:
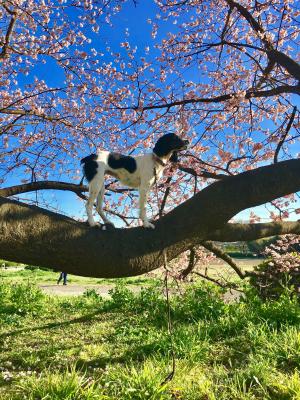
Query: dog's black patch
[(89, 166), (168, 143), (174, 157), (116, 161)]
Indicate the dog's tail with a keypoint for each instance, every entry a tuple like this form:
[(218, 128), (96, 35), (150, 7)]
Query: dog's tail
[(89, 166)]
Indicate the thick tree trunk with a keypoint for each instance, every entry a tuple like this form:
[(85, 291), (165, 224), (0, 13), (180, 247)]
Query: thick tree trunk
[(32, 235)]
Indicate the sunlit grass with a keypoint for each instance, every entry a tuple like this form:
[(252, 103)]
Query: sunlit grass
[(39, 276), (88, 347)]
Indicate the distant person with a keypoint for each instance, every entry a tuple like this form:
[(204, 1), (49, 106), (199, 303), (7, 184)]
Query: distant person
[(62, 276)]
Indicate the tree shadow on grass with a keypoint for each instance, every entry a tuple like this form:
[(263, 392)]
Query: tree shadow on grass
[(136, 353), (51, 325), (99, 362)]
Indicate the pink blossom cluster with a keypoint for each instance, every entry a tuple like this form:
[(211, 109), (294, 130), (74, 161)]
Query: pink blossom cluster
[(203, 73), (284, 254)]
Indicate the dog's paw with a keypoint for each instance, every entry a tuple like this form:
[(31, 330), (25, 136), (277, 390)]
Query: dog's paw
[(148, 224), (99, 226), (94, 224), (108, 226)]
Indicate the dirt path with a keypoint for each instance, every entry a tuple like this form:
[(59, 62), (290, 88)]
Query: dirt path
[(103, 290), (77, 290)]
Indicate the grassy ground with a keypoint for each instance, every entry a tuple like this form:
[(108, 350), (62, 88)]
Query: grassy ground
[(88, 348), (39, 276)]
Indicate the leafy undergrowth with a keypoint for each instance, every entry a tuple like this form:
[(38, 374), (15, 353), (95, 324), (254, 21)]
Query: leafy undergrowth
[(88, 348)]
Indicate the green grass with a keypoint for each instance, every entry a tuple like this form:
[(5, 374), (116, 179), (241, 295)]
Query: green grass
[(48, 277), (39, 276), (89, 348), (4, 263)]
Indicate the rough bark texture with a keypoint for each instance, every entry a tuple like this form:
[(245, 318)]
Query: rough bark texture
[(42, 185), (32, 235)]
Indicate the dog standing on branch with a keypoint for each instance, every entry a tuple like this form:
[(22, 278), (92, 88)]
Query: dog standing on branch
[(137, 172)]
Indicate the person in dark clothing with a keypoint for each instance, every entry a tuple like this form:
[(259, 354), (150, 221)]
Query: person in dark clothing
[(62, 276)]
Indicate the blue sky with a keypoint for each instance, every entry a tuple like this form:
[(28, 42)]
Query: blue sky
[(134, 20)]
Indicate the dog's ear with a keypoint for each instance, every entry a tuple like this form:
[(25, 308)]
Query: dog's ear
[(174, 157)]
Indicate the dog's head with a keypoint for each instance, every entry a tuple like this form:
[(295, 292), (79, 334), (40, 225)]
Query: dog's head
[(169, 145)]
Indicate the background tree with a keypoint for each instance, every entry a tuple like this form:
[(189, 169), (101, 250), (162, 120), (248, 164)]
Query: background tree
[(225, 75)]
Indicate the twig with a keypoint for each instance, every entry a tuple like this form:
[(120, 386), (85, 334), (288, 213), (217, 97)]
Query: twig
[(191, 265), (170, 376), (164, 200), (221, 254), (9, 32), (284, 135), (210, 279)]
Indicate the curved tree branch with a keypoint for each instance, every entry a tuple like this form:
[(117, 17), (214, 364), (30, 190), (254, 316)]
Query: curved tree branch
[(53, 185), (32, 235), (203, 174), (233, 232), (43, 116), (284, 134), (13, 14), (220, 254), (42, 185), (218, 99), (191, 264), (80, 188), (274, 55)]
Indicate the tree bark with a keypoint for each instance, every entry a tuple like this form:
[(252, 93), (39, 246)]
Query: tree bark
[(42, 185), (36, 236), (247, 232)]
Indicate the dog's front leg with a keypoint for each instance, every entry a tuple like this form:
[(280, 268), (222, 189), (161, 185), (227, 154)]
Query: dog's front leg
[(143, 200)]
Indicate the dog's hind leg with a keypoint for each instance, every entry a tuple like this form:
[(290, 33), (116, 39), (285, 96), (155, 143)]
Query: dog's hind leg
[(144, 191), (94, 188), (99, 206)]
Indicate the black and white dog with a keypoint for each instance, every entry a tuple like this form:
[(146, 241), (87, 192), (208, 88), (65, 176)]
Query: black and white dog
[(137, 172)]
